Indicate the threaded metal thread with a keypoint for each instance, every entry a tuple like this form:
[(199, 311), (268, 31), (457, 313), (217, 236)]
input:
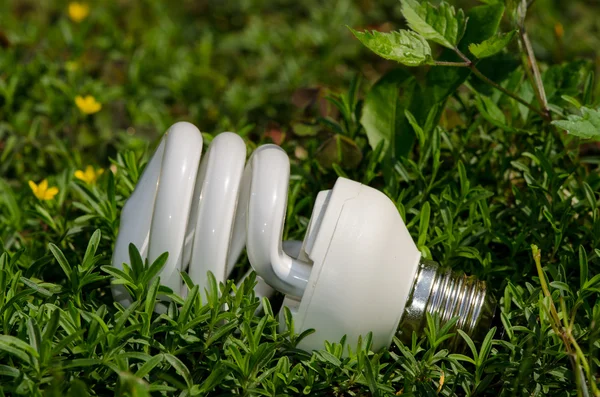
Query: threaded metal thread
[(449, 294)]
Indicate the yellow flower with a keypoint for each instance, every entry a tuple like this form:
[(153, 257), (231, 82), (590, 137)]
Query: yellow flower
[(89, 176), (87, 104), (42, 192), (78, 11)]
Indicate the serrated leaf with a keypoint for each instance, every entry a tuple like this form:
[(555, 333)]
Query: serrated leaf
[(492, 46), (587, 125), (402, 46), (441, 24)]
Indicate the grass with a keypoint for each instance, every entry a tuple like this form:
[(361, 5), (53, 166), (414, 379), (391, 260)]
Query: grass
[(489, 188)]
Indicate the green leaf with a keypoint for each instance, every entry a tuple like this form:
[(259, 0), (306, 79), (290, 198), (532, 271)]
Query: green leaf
[(491, 112), (51, 326), (588, 89), (469, 343), (187, 307), (403, 46), (383, 112), (60, 258), (34, 286), (416, 127), (80, 362), (423, 224), (370, 374), (216, 376), (155, 268), (77, 388), (492, 46), (304, 129), (33, 332), (571, 100), (463, 179), (17, 347), (180, 368), (91, 249), (149, 365), (583, 266), (585, 126), (151, 297), (486, 346), (441, 24), (484, 22), (462, 357), (136, 262), (325, 356), (5, 370), (117, 273), (220, 332), (110, 192), (45, 215)]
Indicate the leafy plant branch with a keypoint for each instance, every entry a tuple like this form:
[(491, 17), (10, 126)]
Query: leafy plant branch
[(471, 65), (445, 25)]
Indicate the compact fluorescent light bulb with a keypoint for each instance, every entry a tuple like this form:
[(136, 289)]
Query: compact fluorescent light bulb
[(357, 270)]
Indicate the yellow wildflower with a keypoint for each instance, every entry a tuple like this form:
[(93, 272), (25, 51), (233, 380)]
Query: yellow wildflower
[(78, 11), (87, 104), (41, 191), (89, 176)]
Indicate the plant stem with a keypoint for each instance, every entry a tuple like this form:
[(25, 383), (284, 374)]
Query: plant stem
[(564, 333), (471, 65), (497, 86), (531, 66), (446, 63)]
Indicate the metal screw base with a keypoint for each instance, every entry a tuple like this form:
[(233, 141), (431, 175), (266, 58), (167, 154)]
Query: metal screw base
[(439, 290)]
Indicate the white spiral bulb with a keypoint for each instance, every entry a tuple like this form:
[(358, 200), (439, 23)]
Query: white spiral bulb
[(356, 271)]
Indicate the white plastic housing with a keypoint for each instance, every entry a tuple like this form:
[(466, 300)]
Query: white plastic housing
[(364, 264)]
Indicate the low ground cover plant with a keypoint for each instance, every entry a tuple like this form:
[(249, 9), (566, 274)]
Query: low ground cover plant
[(480, 128)]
